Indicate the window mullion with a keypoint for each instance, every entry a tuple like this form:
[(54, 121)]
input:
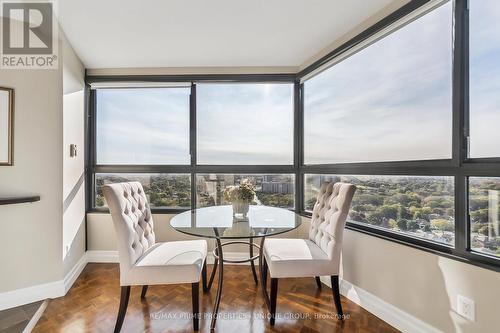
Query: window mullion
[(460, 122), (192, 142)]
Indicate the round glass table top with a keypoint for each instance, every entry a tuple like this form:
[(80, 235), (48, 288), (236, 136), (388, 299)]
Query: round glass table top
[(220, 222)]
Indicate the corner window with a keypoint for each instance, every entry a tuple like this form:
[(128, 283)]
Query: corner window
[(391, 101), (415, 206), (484, 214), (484, 78)]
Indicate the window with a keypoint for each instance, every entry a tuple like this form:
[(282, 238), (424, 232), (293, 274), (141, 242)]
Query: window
[(484, 78), (143, 126), (277, 190), (389, 102), (245, 123), (162, 190), (415, 206), (484, 213)]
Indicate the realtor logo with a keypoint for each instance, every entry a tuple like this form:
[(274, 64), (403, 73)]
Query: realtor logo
[(29, 38)]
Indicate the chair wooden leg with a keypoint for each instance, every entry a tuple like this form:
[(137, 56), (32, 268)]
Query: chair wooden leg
[(264, 274), (336, 296), (204, 277), (318, 282), (144, 291), (125, 294), (274, 296), (195, 298)]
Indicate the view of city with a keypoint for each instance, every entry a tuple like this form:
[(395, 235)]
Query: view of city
[(173, 190), (163, 190), (484, 211), (416, 206), (271, 190)]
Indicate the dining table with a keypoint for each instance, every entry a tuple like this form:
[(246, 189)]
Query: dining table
[(222, 223)]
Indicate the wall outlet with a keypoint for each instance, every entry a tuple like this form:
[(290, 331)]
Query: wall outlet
[(466, 307)]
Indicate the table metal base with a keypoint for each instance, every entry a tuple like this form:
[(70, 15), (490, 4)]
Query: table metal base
[(219, 260)]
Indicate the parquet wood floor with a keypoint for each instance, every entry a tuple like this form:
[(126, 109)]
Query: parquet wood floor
[(92, 304)]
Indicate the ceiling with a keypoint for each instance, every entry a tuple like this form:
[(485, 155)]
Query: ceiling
[(210, 33)]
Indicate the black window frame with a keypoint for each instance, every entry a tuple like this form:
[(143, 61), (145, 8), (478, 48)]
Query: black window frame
[(193, 168), (460, 166)]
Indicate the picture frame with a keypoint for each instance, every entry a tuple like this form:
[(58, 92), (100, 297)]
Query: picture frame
[(6, 126)]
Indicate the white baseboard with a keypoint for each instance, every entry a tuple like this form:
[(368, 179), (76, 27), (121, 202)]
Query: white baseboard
[(74, 273), (102, 256), (18, 297), (392, 315), (13, 298)]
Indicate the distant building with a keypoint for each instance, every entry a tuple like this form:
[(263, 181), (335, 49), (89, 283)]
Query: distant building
[(278, 187)]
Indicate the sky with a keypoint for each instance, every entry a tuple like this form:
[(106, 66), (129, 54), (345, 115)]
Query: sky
[(484, 78), (150, 126), (245, 123), (390, 101)]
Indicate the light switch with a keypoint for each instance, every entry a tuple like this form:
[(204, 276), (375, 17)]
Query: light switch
[(72, 150)]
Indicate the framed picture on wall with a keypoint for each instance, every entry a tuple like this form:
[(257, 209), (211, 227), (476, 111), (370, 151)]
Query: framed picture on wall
[(6, 125)]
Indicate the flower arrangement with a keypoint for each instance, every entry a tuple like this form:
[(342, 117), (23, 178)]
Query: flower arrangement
[(240, 196), (244, 192)]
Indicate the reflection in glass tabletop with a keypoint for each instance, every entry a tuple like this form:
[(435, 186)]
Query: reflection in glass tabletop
[(219, 222)]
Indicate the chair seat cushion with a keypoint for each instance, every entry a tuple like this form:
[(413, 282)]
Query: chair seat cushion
[(168, 263), (297, 258)]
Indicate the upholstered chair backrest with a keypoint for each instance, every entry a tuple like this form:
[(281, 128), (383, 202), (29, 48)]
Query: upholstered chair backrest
[(329, 216), (132, 220)]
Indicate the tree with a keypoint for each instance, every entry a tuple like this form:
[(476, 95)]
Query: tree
[(389, 211), (487, 231), (375, 218), (412, 225), (99, 201), (480, 215), (403, 212), (442, 224), (403, 225), (479, 202)]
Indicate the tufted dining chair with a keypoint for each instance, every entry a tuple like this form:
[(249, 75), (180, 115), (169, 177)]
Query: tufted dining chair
[(314, 257), (143, 261)]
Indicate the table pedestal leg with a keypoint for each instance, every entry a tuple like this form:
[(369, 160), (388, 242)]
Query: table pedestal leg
[(214, 270)]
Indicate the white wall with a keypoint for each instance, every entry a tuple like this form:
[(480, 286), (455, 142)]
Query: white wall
[(73, 226), (31, 235), (422, 284)]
